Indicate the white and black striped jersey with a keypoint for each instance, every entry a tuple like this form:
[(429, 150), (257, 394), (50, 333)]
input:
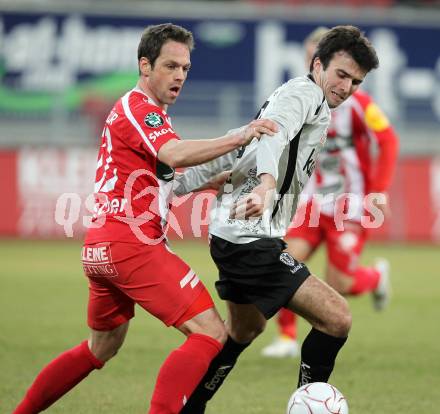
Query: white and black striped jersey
[(300, 110)]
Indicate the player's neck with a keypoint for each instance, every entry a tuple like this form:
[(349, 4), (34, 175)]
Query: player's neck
[(142, 86)]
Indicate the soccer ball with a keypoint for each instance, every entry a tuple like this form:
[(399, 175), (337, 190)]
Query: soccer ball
[(317, 398)]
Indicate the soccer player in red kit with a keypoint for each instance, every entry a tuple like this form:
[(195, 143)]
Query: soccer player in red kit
[(345, 166), (125, 254)]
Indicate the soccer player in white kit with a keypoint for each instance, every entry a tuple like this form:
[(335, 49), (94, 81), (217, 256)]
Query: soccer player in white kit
[(256, 205), (347, 175)]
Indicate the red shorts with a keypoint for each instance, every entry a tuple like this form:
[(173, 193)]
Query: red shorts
[(122, 274), (344, 247)]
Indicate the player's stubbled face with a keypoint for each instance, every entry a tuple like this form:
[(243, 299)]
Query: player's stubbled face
[(340, 79), (169, 73)]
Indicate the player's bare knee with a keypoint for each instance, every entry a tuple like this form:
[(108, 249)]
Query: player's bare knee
[(214, 327), (244, 337), (104, 351), (345, 324), (219, 334), (342, 326), (110, 353), (341, 320), (245, 333), (258, 330), (205, 323), (106, 344)]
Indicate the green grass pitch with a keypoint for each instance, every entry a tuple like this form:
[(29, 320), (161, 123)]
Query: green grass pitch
[(390, 365)]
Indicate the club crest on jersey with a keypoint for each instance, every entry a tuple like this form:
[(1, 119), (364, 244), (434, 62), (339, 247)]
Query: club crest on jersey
[(153, 120)]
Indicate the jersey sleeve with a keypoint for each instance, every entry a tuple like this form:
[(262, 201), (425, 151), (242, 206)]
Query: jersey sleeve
[(386, 160), (269, 152), (195, 177), (151, 126), (290, 107), (378, 125)]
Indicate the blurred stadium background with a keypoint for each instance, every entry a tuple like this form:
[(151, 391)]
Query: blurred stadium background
[(62, 66)]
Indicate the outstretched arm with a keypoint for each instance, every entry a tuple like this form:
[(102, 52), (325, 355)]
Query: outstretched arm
[(187, 153), (199, 177)]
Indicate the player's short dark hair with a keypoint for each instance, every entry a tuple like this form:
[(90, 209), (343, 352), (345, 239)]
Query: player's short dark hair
[(348, 39), (154, 37)]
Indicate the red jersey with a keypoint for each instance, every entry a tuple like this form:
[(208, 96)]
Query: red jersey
[(133, 188), (346, 163)]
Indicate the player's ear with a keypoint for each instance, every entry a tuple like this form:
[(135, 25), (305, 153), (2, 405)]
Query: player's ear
[(144, 66), (317, 64)]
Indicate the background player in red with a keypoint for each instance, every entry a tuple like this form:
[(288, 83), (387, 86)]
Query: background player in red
[(345, 166), (125, 255)]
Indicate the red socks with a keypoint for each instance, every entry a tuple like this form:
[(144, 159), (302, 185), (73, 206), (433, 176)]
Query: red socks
[(181, 372), (58, 378), (177, 379), (287, 323), (366, 279)]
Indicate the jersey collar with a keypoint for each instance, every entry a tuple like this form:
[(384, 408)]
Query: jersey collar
[(150, 100)]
